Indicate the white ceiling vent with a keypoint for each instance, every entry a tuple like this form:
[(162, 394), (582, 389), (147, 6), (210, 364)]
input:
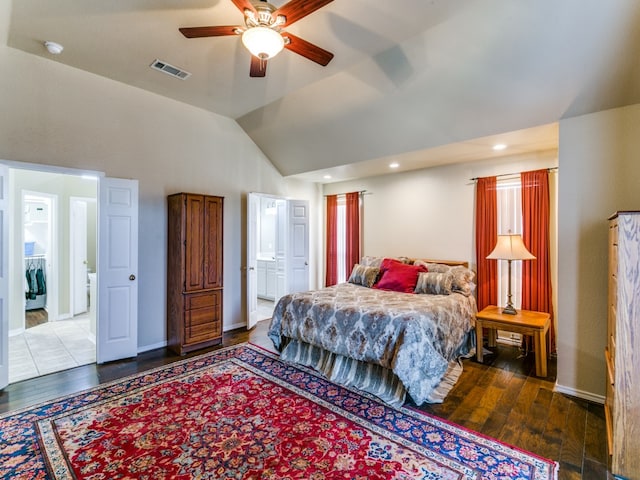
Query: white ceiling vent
[(170, 69)]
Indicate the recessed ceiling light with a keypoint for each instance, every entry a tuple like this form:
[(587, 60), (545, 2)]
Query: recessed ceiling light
[(327, 177), (394, 165), (499, 146)]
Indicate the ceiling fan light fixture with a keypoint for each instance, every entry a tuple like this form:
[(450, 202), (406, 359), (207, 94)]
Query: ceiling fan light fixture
[(263, 42)]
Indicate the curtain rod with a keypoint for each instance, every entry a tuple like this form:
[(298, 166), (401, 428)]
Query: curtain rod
[(361, 192), (551, 169)]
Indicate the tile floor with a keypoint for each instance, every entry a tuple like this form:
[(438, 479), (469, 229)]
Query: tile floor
[(50, 347), (265, 308)]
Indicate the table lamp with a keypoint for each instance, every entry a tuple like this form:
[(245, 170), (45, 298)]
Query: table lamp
[(510, 247)]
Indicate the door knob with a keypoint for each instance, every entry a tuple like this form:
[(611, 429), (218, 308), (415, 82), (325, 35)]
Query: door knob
[(132, 277)]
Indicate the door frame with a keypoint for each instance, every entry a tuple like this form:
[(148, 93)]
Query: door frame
[(283, 265)]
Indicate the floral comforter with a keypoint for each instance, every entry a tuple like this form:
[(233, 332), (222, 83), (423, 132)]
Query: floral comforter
[(415, 336)]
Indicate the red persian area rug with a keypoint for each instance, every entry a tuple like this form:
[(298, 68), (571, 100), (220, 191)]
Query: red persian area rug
[(240, 413)]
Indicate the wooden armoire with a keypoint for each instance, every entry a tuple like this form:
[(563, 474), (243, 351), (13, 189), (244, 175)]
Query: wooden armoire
[(622, 404), (194, 272)]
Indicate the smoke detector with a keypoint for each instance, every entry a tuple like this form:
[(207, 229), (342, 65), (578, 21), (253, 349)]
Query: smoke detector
[(54, 48)]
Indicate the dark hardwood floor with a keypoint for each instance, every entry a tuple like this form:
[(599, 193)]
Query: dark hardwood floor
[(501, 398)]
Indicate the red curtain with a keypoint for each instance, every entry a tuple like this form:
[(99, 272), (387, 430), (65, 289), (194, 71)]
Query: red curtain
[(536, 274), (486, 238), (352, 240), (332, 241)]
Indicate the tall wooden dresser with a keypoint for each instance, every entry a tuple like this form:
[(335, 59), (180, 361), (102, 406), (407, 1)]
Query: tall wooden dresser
[(622, 404), (194, 272)]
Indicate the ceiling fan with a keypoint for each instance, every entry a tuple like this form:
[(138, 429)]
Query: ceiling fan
[(263, 35)]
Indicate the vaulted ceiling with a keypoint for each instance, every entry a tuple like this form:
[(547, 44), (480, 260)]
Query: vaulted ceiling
[(411, 80)]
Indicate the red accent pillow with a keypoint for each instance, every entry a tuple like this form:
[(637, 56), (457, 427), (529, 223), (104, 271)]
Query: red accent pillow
[(398, 276)]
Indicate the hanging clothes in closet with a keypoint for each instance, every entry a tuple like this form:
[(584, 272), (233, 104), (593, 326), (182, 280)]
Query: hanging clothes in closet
[(36, 286)]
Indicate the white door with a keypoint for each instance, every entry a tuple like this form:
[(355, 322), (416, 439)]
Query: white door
[(79, 277), (298, 247), (4, 273), (117, 270), (253, 210)]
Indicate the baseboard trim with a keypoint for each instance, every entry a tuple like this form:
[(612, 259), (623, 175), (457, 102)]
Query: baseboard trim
[(16, 331), (574, 392), (234, 326), (154, 346)]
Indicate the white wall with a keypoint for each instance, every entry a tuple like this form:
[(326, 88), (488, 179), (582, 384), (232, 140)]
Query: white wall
[(600, 174), (56, 115)]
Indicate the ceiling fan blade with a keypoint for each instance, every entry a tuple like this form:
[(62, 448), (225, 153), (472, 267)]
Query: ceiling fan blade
[(307, 50), (243, 5), (197, 32), (297, 9), (258, 67)]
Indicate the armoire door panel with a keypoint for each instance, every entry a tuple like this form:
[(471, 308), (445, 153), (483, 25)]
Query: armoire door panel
[(194, 247), (213, 242)]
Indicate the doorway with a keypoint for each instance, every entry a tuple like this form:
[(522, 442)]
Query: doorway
[(38, 227), (48, 332), (268, 236), (82, 252), (277, 252), (116, 317)]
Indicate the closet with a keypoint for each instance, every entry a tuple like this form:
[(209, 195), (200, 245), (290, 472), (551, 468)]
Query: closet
[(37, 236), (35, 282), (622, 353), (194, 271)]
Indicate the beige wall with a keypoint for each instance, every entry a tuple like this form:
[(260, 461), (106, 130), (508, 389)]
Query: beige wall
[(56, 115), (600, 173)]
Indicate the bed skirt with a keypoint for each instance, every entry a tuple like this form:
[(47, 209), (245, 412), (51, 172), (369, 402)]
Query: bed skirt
[(368, 377)]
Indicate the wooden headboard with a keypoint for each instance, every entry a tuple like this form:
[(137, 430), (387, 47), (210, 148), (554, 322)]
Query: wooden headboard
[(451, 263)]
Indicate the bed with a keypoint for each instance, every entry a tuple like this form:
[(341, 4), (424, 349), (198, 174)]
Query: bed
[(390, 342)]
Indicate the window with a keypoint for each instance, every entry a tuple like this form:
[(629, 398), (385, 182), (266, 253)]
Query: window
[(509, 199), (343, 236)]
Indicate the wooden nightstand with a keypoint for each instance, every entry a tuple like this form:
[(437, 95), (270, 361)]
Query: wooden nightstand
[(525, 322)]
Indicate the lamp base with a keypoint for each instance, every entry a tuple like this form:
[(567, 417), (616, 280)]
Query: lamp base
[(509, 310)]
